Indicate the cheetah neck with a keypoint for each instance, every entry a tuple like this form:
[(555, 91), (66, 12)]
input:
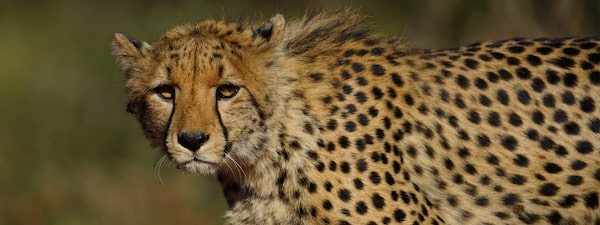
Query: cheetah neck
[(278, 180)]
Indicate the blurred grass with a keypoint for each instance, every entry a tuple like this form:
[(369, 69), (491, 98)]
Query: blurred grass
[(69, 154)]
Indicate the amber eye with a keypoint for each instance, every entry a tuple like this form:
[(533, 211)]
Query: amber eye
[(227, 91), (166, 92)]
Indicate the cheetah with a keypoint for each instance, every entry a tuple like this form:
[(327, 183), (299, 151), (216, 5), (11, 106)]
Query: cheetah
[(320, 121)]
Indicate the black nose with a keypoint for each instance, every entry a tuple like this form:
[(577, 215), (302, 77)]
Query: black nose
[(192, 140)]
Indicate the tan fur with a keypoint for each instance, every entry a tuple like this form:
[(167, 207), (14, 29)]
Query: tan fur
[(334, 125)]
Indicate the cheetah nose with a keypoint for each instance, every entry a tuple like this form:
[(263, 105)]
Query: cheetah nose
[(192, 140)]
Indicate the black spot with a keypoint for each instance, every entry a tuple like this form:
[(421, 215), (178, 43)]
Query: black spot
[(579, 165), (516, 49), (538, 117), (409, 99), (594, 125), (587, 105), (523, 73), (377, 51), (470, 169), (538, 85), (552, 77), (444, 95), (570, 80), (571, 128), (523, 97), (518, 179), (482, 201), (591, 200), (513, 61), (344, 142), (594, 58), (360, 97), (344, 195), (532, 134), (349, 53), (571, 51), (397, 80), (452, 200), (374, 177), (498, 55), (574, 180), (501, 215), (509, 142), (515, 120), (377, 93), (584, 147), (544, 50), (474, 117), (595, 77), (399, 215), (521, 160), (561, 150), (350, 126), (549, 101), (481, 84), (345, 167), (358, 184), (462, 81), (378, 201), (534, 60), (552, 168), (448, 164), (563, 62), (502, 96), (560, 116), (568, 98), (332, 166), (386, 220), (346, 75), (505, 75), (548, 189), (377, 70), (483, 140), (494, 119), (511, 199), (327, 205), (484, 100), (316, 77), (361, 208), (492, 77), (568, 201), (588, 45), (458, 101), (546, 143), (473, 64), (357, 67)]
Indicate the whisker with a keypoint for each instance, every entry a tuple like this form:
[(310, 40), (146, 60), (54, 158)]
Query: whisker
[(231, 169), (157, 167), (240, 169)]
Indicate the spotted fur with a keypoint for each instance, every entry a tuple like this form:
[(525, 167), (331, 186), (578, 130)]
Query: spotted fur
[(319, 121)]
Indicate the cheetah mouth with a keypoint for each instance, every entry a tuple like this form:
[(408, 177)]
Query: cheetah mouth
[(197, 165), (198, 160)]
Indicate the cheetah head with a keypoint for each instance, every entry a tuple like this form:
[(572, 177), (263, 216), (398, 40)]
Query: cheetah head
[(197, 97)]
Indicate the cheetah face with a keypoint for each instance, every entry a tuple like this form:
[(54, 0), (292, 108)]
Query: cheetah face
[(194, 96)]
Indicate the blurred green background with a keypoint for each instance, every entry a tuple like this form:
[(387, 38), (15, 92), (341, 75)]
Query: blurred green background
[(69, 154)]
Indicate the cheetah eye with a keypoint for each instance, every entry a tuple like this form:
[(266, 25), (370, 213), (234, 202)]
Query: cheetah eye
[(166, 92), (226, 91)]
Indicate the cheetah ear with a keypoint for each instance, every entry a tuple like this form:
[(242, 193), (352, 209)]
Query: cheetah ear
[(128, 52), (271, 31)]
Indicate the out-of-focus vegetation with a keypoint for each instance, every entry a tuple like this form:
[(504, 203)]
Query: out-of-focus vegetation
[(69, 154)]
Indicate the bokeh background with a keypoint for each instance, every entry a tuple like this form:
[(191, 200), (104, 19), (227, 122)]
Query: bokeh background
[(69, 154)]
